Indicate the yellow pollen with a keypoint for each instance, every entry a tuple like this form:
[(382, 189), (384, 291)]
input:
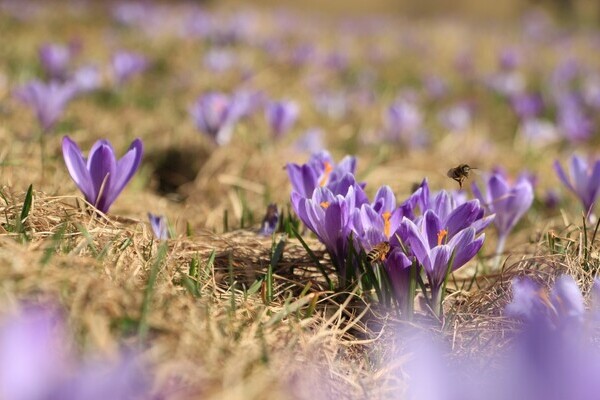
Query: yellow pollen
[(386, 223), (325, 204), (325, 178), (441, 235)]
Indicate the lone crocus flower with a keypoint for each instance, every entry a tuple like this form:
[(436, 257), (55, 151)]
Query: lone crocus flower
[(159, 226), (100, 177), (281, 116), (215, 116), (271, 221), (583, 180), (126, 64), (508, 202), (48, 100)]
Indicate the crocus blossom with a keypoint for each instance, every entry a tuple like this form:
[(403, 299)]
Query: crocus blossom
[(319, 171), (36, 363), (329, 217), (437, 254), (508, 202), (126, 64), (583, 180), (159, 226), (403, 122), (270, 221), (214, 115), (100, 177), (48, 100), (55, 59), (281, 116)]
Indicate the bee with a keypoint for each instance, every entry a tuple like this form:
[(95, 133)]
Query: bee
[(460, 173), (379, 252)]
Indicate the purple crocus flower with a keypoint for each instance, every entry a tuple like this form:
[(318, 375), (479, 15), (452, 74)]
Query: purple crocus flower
[(403, 122), (397, 265), (48, 100), (508, 202), (572, 121), (281, 116), (213, 114), (320, 171), (329, 217), (376, 222), (561, 308), (55, 59), (159, 226), (126, 64), (271, 221), (101, 178), (32, 353), (35, 363), (583, 180), (428, 242), (527, 105)]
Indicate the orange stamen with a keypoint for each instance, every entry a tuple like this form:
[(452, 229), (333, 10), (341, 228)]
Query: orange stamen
[(441, 235), (325, 204), (326, 173), (386, 223)]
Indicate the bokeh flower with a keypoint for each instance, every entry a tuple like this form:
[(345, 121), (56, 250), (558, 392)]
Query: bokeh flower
[(583, 180), (55, 59), (509, 202), (159, 226), (214, 116), (281, 116), (126, 64), (48, 100)]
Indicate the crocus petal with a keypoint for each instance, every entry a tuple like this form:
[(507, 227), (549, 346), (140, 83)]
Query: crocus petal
[(462, 217), (303, 178), (440, 258), (410, 236), (102, 166), (525, 298), (563, 176), (432, 228), (567, 297), (465, 252), (125, 168), (77, 168), (385, 200)]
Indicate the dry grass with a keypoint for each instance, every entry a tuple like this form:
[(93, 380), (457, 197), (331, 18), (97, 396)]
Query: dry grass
[(226, 341)]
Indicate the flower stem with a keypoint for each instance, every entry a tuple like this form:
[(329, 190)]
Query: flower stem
[(42, 138), (499, 250)]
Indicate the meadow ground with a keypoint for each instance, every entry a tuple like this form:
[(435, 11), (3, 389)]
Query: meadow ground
[(219, 311)]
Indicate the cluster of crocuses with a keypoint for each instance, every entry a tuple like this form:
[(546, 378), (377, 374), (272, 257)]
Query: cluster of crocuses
[(433, 233), (48, 100), (441, 237), (553, 355)]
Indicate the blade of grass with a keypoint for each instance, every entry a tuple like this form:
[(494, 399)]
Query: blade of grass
[(143, 326), (314, 258)]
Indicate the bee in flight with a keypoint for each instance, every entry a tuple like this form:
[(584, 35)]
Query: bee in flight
[(379, 252), (460, 173)]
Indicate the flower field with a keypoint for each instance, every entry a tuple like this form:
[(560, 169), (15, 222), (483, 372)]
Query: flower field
[(225, 201)]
